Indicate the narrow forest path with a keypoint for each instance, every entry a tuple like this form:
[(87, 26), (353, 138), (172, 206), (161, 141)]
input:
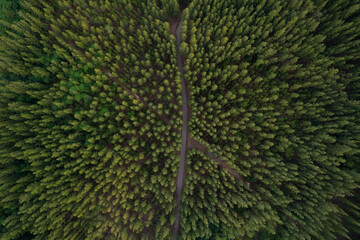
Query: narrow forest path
[(192, 143), (184, 134)]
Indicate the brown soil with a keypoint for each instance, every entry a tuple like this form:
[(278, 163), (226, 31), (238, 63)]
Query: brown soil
[(192, 143), (174, 23)]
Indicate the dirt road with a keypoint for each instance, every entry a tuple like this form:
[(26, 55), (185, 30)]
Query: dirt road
[(184, 133)]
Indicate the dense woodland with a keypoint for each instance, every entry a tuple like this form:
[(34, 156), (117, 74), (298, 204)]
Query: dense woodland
[(91, 119)]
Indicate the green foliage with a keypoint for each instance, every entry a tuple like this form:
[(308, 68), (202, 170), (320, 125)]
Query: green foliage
[(184, 3), (171, 7), (272, 94), (90, 119), (8, 13), (83, 132)]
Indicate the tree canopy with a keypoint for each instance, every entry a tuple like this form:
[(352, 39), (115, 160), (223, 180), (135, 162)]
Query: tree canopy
[(91, 119)]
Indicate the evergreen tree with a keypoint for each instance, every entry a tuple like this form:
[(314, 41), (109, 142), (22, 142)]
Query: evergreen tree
[(91, 118)]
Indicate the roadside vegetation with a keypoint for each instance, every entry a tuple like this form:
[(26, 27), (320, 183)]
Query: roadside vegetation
[(91, 119), (273, 89)]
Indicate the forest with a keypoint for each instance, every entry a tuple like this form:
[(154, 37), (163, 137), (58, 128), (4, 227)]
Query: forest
[(180, 119)]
